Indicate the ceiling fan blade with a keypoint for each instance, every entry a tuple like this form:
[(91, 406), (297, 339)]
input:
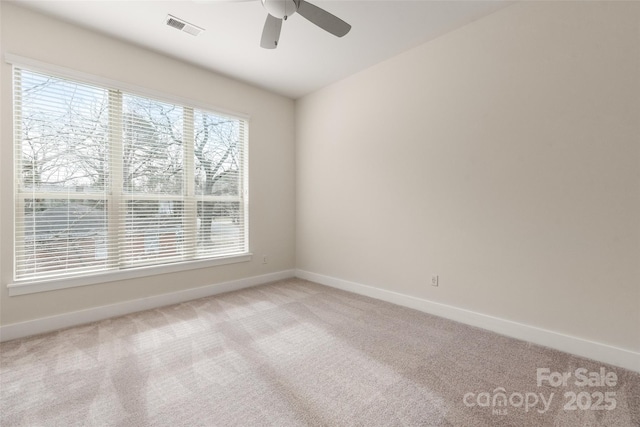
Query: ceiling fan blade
[(323, 19), (271, 32)]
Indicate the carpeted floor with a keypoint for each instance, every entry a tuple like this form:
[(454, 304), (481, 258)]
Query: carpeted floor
[(294, 353)]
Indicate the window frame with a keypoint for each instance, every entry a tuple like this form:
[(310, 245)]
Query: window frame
[(30, 285)]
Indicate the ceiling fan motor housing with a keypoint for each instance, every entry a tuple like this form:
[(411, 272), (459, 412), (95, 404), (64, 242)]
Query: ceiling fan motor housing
[(280, 8)]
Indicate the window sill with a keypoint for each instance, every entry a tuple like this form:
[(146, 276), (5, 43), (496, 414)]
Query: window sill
[(31, 287)]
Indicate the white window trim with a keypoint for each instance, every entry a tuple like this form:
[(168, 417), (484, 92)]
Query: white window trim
[(31, 286)]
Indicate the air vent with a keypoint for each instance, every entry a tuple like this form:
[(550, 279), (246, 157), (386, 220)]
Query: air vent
[(181, 25)]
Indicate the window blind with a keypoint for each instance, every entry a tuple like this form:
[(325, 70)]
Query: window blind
[(109, 180)]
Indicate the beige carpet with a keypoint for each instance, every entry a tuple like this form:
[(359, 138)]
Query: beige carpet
[(294, 353)]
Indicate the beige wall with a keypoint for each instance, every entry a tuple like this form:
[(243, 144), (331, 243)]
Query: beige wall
[(504, 156), (271, 152)]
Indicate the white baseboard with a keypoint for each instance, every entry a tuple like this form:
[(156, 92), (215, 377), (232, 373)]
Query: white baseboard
[(593, 350), (48, 324)]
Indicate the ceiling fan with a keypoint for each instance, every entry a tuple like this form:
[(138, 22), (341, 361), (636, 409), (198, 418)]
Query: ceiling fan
[(280, 10)]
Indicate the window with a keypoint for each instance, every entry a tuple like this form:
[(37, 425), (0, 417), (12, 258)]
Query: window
[(108, 180)]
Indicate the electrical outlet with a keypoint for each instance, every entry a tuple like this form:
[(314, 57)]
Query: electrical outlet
[(435, 280), (265, 260)]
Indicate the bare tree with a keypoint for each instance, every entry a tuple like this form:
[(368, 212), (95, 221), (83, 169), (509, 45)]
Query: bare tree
[(66, 147), (217, 151), (63, 152)]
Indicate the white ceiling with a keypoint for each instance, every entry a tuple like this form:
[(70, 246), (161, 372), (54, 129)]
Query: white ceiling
[(307, 58)]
